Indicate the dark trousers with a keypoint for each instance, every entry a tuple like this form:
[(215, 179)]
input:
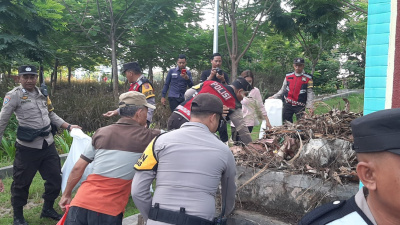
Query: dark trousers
[(289, 110), (174, 102), (235, 135), (175, 121), (223, 131), (80, 216), (26, 163)]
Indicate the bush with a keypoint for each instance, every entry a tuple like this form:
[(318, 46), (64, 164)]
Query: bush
[(84, 102), (7, 147)]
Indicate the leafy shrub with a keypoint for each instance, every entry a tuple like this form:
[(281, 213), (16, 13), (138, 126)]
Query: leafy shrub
[(7, 146), (63, 142)]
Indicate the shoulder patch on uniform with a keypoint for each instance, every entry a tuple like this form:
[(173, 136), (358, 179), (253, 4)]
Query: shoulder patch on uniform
[(197, 86), (148, 160), (147, 90), (310, 84), (50, 107), (6, 99), (308, 76)]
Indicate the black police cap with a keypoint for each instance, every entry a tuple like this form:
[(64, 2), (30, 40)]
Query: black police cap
[(27, 70), (131, 66), (377, 132), (298, 61), (241, 83)]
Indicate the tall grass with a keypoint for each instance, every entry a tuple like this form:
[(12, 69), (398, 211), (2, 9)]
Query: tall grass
[(63, 142)]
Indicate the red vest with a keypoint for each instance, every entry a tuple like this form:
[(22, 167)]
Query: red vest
[(225, 93), (296, 90), (135, 86)]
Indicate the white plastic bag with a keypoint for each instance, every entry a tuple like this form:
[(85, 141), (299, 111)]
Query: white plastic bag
[(80, 143), (274, 112)]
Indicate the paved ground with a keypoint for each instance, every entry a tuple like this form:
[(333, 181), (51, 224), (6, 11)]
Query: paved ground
[(131, 220)]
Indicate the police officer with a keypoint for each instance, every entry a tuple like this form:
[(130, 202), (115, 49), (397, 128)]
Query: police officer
[(138, 82), (376, 142), (35, 149), (188, 164), (231, 95), (296, 91)]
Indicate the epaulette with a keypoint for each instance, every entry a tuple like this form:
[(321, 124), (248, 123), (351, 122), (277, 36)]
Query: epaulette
[(15, 89), (308, 75), (321, 211), (337, 212), (144, 80), (290, 73)]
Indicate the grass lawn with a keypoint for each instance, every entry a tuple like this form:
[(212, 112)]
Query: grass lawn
[(356, 104)]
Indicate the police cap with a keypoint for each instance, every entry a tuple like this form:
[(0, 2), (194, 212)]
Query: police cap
[(241, 83), (131, 66), (27, 70), (298, 61), (377, 132), (206, 102)]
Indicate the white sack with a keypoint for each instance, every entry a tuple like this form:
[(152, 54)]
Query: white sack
[(80, 143)]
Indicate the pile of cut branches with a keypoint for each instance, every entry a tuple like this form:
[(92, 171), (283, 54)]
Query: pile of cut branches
[(281, 146)]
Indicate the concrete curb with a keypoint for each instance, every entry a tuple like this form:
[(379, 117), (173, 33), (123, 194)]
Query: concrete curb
[(130, 220), (340, 95)]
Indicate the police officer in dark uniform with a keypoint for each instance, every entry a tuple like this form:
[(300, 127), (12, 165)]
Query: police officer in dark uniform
[(231, 95), (138, 82), (35, 149), (376, 142)]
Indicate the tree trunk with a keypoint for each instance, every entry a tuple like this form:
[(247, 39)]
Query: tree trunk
[(151, 71), (233, 49), (40, 77), (54, 83), (314, 64), (69, 75), (163, 77), (113, 44), (114, 67), (234, 70)]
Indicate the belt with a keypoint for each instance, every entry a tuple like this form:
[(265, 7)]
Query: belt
[(178, 218), (294, 102)]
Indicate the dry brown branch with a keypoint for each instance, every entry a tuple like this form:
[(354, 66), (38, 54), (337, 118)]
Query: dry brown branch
[(299, 151), (255, 175)]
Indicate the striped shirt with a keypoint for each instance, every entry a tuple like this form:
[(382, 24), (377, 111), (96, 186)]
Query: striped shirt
[(116, 148)]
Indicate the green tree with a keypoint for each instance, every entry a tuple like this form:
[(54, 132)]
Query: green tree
[(23, 24), (353, 45), (174, 30), (245, 19), (313, 23)]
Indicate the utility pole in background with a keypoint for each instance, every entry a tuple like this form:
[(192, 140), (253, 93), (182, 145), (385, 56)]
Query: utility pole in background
[(216, 16)]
